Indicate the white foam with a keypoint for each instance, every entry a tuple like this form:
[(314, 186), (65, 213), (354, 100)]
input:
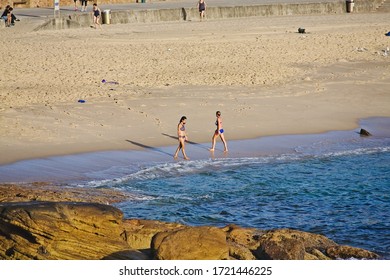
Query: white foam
[(182, 168), (358, 151)]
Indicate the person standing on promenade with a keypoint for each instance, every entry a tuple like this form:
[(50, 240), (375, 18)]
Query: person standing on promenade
[(75, 5), (96, 15), (202, 9), (218, 132), (182, 137), (84, 5)]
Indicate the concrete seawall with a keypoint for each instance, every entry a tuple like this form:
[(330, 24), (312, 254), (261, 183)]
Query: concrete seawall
[(77, 20)]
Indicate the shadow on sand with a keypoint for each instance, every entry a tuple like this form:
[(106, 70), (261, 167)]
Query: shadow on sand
[(189, 142), (150, 148)]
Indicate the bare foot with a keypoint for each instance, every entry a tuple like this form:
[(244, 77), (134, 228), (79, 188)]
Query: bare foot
[(186, 158), (211, 150)]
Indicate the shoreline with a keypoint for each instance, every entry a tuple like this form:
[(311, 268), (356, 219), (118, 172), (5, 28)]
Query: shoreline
[(84, 167), (279, 83)]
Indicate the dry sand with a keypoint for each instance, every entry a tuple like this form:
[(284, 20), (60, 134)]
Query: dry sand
[(266, 78)]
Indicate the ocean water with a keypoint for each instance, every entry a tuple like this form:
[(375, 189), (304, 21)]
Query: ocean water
[(336, 184), (343, 195)]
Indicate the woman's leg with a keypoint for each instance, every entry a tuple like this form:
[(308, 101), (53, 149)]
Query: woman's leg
[(177, 150), (224, 142), (183, 148), (98, 22), (213, 141)]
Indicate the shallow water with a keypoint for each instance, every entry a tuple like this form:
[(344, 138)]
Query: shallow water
[(336, 184), (343, 195)]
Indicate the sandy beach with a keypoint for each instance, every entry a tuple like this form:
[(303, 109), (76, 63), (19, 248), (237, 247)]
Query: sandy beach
[(265, 78)]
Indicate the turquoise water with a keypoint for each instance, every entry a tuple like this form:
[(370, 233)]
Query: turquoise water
[(336, 184), (343, 195)]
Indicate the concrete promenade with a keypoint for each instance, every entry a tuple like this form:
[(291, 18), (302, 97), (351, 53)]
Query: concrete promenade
[(175, 10), (170, 4)]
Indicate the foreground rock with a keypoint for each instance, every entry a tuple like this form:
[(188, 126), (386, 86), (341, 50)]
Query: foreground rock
[(46, 192), (54, 230), (200, 243), (66, 230)]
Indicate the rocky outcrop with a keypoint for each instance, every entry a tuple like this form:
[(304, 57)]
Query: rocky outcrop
[(348, 252), (46, 192), (287, 244), (85, 230), (52, 230)]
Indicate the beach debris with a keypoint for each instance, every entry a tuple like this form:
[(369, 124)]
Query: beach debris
[(301, 30), (361, 49), (387, 34), (110, 82), (81, 101), (386, 51), (364, 132)]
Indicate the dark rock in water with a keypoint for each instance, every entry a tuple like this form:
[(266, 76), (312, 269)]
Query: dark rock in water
[(364, 132)]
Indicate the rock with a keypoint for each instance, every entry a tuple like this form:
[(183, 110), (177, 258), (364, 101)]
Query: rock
[(286, 249), (348, 252), (364, 132), (53, 230), (288, 244), (45, 192), (240, 252), (247, 237), (140, 232), (128, 255), (194, 243), (316, 255)]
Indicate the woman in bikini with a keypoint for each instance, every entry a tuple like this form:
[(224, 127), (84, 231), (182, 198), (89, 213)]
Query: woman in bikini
[(218, 132), (182, 137)]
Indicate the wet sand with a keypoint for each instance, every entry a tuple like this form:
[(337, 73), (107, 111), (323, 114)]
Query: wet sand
[(90, 168)]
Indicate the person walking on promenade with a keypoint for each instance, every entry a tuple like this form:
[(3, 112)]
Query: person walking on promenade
[(202, 9), (182, 137), (96, 15), (218, 132)]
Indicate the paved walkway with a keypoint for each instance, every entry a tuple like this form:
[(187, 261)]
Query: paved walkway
[(49, 12)]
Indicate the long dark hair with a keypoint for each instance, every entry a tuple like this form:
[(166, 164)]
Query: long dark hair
[(182, 119)]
